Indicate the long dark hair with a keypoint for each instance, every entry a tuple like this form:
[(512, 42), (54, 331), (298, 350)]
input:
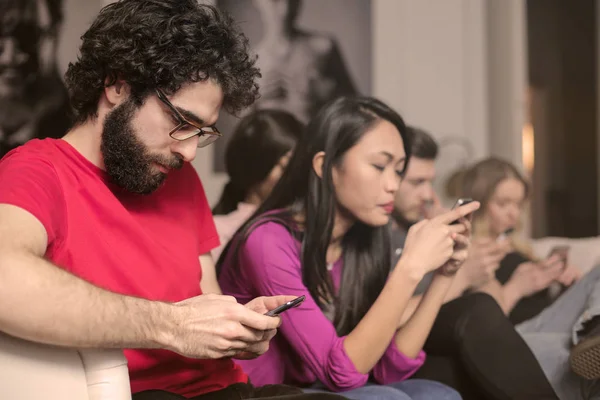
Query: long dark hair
[(335, 129), (256, 146)]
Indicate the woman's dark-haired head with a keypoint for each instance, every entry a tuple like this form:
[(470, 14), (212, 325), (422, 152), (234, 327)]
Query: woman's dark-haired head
[(256, 156), (344, 173)]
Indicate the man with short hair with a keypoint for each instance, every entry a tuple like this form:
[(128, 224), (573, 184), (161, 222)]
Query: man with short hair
[(472, 346), (102, 230), (416, 199)]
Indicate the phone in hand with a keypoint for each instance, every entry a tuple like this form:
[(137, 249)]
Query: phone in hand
[(562, 251), (284, 307), (461, 202)]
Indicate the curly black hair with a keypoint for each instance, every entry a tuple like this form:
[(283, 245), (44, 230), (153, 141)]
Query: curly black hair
[(161, 44)]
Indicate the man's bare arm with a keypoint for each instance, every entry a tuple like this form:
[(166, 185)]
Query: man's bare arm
[(43, 303), (209, 282)]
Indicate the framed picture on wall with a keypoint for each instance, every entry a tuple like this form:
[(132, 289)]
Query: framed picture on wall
[(38, 40), (309, 52)]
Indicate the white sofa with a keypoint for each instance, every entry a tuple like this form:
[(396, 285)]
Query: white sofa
[(31, 371), (584, 253)]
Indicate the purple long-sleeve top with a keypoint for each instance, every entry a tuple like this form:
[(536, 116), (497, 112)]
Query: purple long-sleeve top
[(307, 348)]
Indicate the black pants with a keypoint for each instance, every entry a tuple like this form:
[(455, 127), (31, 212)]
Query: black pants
[(474, 348), (243, 391)]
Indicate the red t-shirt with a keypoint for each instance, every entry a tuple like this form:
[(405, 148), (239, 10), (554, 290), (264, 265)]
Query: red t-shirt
[(144, 246)]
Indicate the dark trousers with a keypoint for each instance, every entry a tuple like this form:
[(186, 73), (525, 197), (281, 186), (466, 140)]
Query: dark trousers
[(243, 391), (474, 348)]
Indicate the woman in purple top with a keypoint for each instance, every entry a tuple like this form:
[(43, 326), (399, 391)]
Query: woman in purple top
[(322, 233)]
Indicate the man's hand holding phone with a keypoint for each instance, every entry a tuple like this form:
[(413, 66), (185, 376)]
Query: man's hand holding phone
[(286, 306), (266, 306)]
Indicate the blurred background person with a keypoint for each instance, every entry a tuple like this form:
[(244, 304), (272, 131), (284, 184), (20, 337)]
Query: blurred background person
[(255, 159), (521, 284), (33, 100)]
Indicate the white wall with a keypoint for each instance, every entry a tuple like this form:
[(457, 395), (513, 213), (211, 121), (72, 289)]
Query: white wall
[(507, 77), (430, 65), (455, 68), (213, 182), (76, 21)]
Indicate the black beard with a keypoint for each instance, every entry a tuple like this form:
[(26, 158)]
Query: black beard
[(126, 160)]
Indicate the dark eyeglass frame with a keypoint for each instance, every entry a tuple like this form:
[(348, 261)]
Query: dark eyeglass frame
[(207, 134)]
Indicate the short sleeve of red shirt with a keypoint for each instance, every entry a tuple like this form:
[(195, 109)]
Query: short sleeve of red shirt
[(208, 238), (30, 182)]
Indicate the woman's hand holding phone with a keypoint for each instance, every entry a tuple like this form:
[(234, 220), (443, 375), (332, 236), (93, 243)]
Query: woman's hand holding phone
[(463, 239), (432, 243), (570, 273), (530, 277)]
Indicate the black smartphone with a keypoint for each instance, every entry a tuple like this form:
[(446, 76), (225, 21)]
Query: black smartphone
[(460, 202), (284, 307)]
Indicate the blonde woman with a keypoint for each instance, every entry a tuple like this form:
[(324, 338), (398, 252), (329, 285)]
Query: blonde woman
[(568, 326), (522, 282)]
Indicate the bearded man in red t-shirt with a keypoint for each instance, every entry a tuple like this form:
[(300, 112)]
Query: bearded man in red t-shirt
[(105, 234)]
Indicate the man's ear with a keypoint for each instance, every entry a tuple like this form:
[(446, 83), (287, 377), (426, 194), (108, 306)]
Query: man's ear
[(117, 93), (317, 163)]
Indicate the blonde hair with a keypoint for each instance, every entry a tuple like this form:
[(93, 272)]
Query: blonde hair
[(479, 183)]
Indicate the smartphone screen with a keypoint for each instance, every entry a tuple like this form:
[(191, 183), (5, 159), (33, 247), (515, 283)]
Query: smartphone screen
[(284, 307), (460, 202)]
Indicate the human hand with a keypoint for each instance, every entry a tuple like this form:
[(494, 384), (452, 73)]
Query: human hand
[(215, 326), (570, 275), (461, 250), (484, 259), (263, 305), (530, 278), (431, 243)]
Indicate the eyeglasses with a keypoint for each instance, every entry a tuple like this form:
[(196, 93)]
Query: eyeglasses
[(186, 129)]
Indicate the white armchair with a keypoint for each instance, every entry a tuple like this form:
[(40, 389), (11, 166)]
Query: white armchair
[(584, 253), (34, 371)]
